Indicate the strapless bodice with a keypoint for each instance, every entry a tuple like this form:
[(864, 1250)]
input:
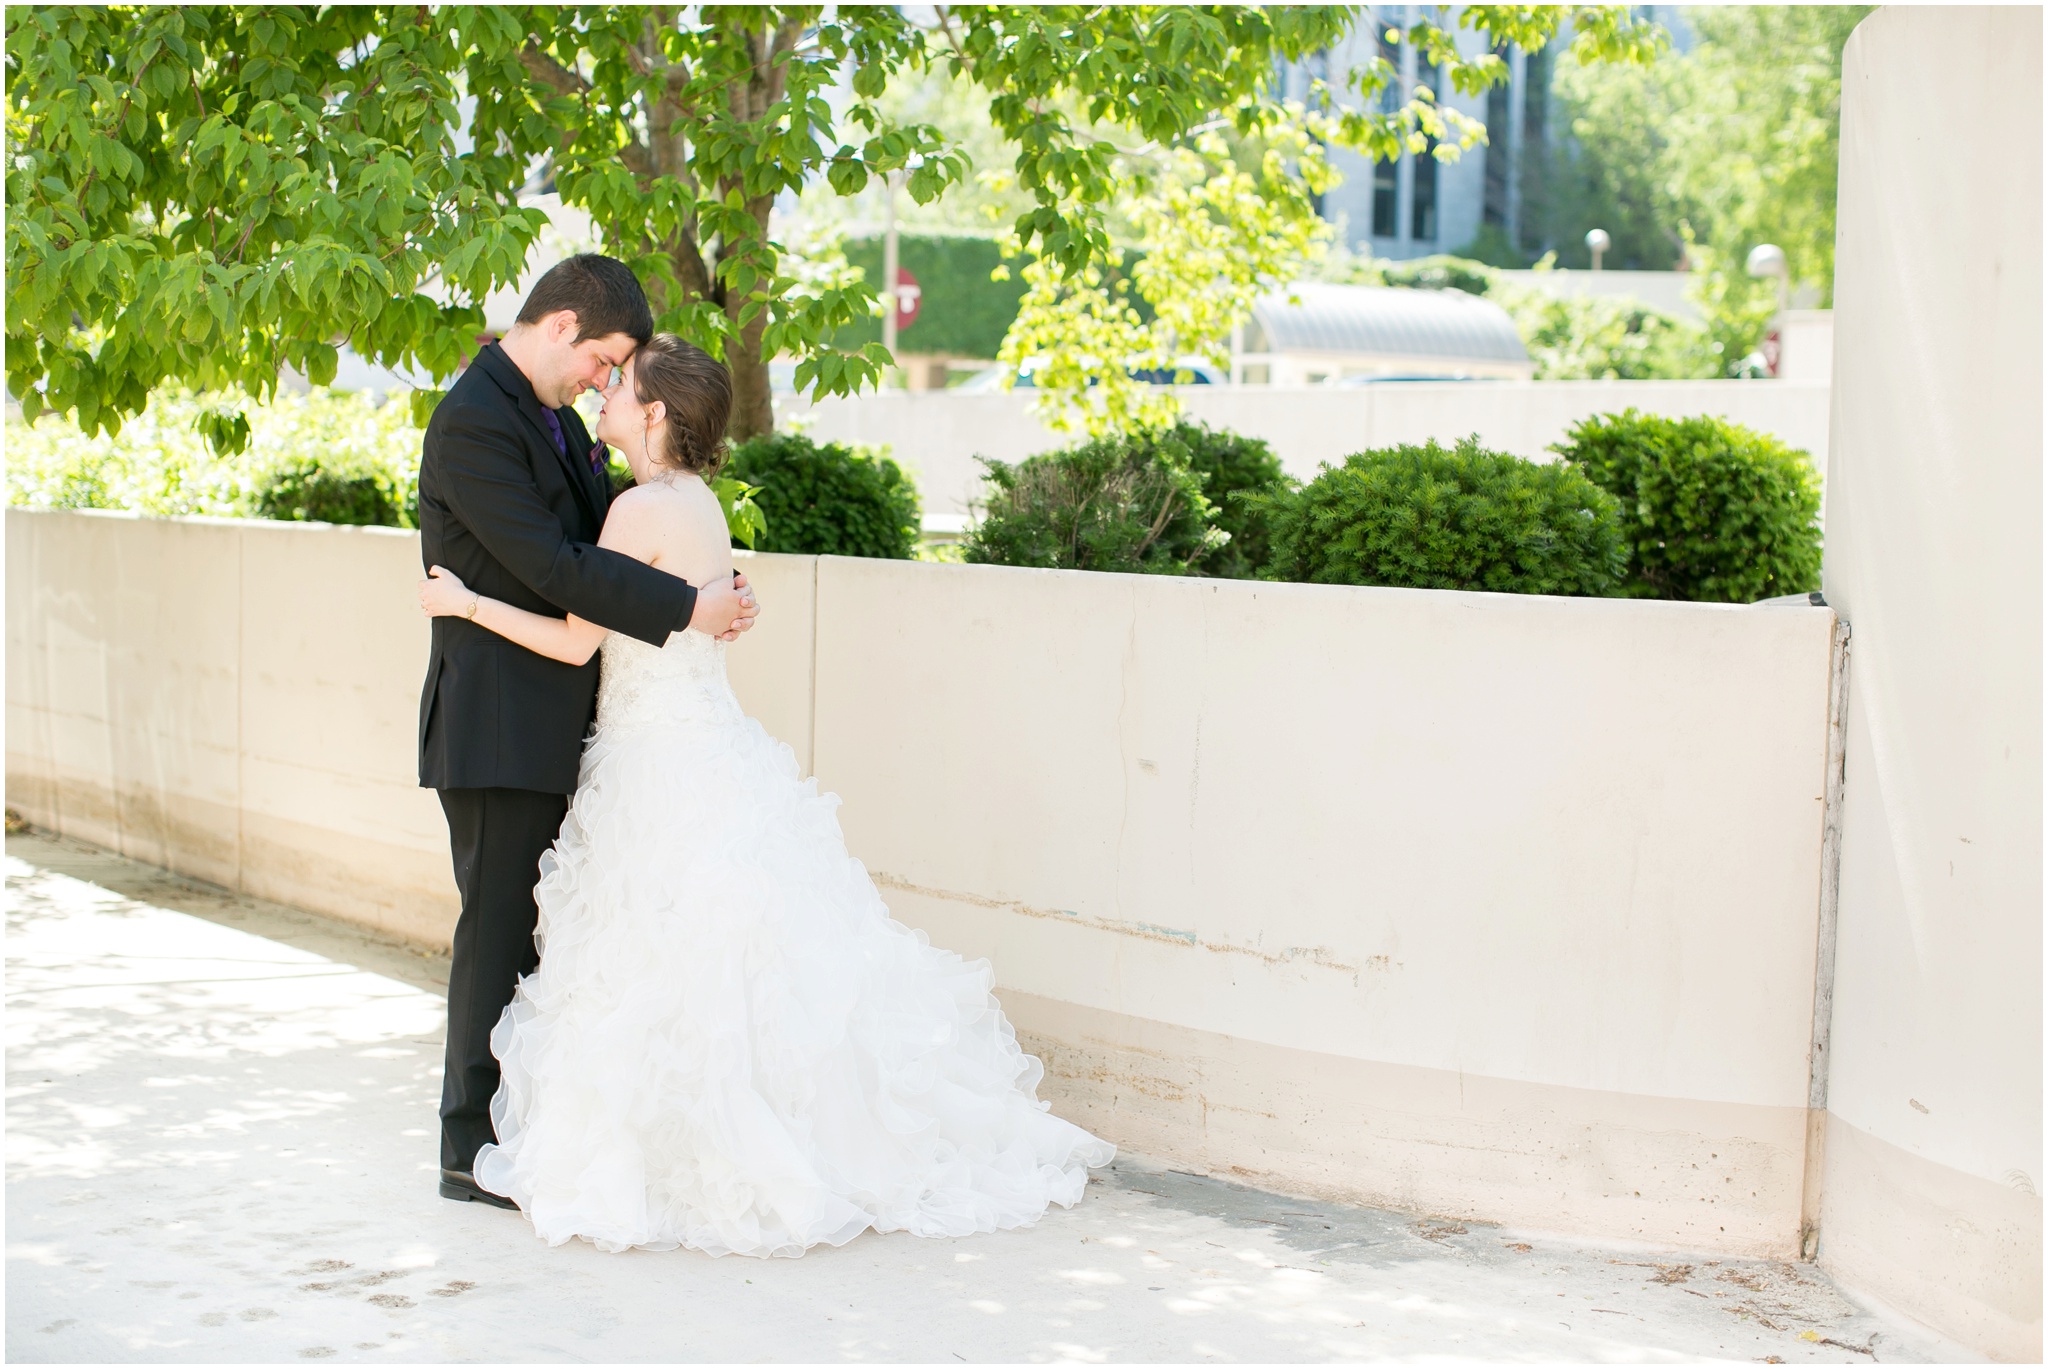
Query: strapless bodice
[(680, 682)]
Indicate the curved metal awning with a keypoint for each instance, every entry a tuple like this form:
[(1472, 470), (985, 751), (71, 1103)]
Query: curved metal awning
[(1382, 321)]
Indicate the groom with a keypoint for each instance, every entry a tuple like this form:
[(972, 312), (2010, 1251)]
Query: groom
[(512, 495)]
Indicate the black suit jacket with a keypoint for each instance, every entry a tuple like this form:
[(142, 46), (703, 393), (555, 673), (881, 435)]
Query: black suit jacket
[(516, 519)]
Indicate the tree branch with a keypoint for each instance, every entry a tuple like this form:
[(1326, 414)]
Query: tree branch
[(549, 72), (946, 27), (563, 81)]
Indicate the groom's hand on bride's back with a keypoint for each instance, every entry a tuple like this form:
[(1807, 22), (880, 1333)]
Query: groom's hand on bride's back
[(725, 611)]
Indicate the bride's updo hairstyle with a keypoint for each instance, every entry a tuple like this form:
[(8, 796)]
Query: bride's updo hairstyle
[(697, 394)]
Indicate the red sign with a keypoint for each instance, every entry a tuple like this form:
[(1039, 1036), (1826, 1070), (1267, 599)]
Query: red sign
[(908, 296)]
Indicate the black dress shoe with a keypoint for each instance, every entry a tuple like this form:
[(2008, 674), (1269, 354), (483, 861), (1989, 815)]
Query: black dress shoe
[(460, 1185)]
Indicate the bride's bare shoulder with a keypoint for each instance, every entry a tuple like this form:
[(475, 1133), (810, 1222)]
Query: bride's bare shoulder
[(658, 501), (661, 513), (641, 519)]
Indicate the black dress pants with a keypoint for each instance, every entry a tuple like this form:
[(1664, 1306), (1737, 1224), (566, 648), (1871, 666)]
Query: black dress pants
[(498, 837)]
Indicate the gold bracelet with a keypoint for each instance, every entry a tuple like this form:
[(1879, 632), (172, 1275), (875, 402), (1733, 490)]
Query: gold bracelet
[(475, 602)]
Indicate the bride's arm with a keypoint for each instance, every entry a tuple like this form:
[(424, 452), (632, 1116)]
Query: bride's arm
[(571, 639)]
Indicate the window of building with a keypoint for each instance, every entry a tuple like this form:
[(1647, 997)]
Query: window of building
[(1535, 104), (1422, 208), (1422, 194), (1499, 152), (1317, 68), (1390, 53), (1386, 183), (1386, 192)]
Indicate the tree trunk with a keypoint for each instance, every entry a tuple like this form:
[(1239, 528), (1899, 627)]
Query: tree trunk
[(753, 400), (753, 404), (663, 153)]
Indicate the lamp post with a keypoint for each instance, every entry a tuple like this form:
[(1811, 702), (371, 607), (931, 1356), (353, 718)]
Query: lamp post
[(889, 265), (1598, 242), (1768, 259)]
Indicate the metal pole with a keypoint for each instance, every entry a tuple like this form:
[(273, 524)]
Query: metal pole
[(1820, 1053), (889, 266)]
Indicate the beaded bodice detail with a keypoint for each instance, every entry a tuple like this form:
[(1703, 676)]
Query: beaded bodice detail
[(681, 682)]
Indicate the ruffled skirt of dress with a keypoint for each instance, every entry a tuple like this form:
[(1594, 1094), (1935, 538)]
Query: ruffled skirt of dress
[(730, 1045)]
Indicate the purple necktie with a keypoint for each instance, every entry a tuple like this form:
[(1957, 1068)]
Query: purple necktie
[(597, 451)]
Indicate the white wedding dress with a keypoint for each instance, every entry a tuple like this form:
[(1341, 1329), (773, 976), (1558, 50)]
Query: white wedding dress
[(729, 1045)]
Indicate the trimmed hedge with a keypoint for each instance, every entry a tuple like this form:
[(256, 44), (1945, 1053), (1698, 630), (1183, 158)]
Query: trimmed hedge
[(828, 500), (961, 312), (1710, 510), (305, 491), (1440, 272), (1111, 504), (1463, 518)]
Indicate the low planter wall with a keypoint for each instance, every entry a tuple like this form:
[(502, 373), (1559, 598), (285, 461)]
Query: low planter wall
[(1485, 905)]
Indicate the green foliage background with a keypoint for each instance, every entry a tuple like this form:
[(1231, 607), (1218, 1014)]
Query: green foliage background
[(314, 455), (1707, 155), (828, 500), (1568, 337), (1709, 510), (1460, 518)]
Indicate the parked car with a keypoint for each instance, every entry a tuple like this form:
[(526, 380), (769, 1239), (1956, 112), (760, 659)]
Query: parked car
[(1198, 373)]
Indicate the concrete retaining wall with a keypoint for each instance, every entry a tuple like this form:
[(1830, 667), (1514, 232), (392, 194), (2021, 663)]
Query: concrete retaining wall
[(937, 434), (1934, 1165), (1487, 905)]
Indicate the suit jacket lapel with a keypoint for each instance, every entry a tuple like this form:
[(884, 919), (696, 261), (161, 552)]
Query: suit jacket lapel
[(514, 383), (580, 441)]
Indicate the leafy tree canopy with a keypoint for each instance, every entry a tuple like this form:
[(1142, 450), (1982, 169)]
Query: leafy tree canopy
[(1708, 155), (207, 194)]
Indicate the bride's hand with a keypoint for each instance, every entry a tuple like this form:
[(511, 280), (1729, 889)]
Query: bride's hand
[(442, 595)]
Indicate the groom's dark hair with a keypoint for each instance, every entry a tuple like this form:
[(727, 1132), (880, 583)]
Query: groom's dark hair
[(602, 292)]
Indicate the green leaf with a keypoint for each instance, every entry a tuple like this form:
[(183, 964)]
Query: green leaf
[(225, 431), (743, 517), (424, 403), (321, 361)]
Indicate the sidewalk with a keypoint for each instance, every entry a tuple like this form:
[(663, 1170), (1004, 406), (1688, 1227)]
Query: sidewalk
[(221, 1146)]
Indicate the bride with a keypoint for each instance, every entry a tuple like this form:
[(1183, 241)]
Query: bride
[(729, 1045)]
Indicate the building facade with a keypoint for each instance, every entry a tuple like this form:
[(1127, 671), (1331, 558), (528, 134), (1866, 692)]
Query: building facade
[(1485, 202)]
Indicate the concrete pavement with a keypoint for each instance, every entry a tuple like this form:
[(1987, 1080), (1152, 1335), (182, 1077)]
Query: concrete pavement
[(221, 1146)]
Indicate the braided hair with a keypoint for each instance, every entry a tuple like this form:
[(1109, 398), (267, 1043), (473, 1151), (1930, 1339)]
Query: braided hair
[(697, 393)]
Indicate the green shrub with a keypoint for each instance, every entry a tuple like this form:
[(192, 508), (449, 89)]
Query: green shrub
[(1235, 471), (306, 491), (1709, 510), (1590, 337), (1570, 337), (828, 500), (1466, 518), (1440, 272), (1113, 504)]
